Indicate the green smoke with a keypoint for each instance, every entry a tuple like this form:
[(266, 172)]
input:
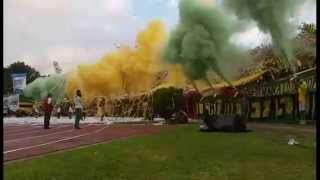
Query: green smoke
[(200, 42), (40, 87), (271, 16)]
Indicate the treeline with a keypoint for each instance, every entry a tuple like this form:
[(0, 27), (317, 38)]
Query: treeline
[(17, 67)]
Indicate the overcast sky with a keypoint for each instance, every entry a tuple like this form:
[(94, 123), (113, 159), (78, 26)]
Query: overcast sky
[(80, 31)]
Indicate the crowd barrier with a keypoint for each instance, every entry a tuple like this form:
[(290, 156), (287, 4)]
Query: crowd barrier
[(277, 101)]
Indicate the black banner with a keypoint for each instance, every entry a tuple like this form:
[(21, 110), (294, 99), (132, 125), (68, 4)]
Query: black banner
[(277, 88)]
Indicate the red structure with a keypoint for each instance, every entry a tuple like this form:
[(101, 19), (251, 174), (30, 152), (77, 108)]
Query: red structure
[(227, 91)]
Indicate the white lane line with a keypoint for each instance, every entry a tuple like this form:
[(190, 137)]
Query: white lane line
[(33, 127), (32, 130), (35, 130), (32, 137), (53, 142)]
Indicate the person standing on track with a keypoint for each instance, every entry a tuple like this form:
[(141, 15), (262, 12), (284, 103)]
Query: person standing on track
[(101, 108), (78, 107), (84, 113), (36, 111), (58, 111), (70, 111), (48, 107)]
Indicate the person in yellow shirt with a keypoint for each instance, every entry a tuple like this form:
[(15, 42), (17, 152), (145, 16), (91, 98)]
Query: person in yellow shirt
[(302, 98)]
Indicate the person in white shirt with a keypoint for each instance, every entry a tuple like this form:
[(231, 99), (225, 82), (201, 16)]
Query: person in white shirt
[(36, 111), (78, 107), (58, 111), (70, 111)]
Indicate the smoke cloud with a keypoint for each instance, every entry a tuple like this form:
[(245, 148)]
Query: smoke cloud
[(271, 16), (39, 88), (201, 42), (125, 70)]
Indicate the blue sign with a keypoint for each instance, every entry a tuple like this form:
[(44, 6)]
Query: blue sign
[(19, 82)]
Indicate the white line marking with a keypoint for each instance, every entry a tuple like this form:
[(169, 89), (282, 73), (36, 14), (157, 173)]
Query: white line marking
[(26, 128), (19, 139), (34, 130), (32, 137), (53, 142)]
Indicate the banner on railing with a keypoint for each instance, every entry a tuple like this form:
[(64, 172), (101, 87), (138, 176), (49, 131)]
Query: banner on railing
[(278, 88)]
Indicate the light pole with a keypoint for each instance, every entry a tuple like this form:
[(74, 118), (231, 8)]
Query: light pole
[(117, 45)]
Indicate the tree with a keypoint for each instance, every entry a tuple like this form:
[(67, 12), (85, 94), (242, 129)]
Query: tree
[(17, 67), (305, 42), (304, 49)]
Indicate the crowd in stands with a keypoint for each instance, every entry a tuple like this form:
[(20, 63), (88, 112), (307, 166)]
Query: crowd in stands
[(276, 71)]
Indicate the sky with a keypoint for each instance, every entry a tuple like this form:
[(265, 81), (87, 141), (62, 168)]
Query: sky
[(39, 32)]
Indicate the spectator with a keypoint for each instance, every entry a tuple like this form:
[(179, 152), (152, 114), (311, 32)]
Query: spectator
[(70, 111), (36, 110), (48, 107), (302, 93), (78, 109), (58, 111), (101, 108)]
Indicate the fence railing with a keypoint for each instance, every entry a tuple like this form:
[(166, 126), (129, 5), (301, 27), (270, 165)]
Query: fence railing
[(276, 101), (279, 108)]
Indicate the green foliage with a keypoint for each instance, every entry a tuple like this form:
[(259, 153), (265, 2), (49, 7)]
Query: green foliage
[(167, 101), (17, 67)]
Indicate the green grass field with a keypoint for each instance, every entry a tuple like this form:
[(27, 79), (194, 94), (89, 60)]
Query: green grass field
[(182, 153)]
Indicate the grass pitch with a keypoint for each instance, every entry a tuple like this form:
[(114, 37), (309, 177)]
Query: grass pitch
[(181, 153)]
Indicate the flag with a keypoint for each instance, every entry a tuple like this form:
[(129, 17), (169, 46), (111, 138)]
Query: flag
[(57, 68), (159, 78)]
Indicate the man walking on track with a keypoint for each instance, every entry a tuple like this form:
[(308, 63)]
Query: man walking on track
[(48, 107), (78, 107)]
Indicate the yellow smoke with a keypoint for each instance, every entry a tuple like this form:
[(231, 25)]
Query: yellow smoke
[(126, 70)]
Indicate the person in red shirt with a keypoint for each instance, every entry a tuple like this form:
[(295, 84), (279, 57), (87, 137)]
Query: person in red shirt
[(47, 107)]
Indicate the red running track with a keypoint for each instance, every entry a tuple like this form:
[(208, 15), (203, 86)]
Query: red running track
[(25, 141)]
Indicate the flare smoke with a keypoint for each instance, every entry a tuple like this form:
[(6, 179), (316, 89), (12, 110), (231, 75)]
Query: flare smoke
[(200, 42)]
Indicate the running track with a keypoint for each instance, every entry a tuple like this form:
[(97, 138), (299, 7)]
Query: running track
[(26, 140)]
